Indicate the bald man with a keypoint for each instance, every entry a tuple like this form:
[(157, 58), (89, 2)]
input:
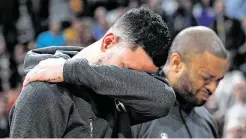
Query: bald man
[(196, 63)]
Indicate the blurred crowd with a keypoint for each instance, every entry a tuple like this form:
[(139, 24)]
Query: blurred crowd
[(30, 24)]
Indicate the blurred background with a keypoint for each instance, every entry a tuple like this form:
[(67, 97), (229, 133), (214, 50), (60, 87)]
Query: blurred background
[(30, 24)]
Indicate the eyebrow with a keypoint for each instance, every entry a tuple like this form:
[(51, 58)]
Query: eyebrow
[(207, 74), (210, 76)]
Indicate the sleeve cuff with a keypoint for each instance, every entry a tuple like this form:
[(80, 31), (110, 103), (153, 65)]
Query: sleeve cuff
[(74, 70), (68, 70)]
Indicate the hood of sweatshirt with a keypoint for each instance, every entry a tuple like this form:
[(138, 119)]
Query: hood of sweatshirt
[(34, 56)]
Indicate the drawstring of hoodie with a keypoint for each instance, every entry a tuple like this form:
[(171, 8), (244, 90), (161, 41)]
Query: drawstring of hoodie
[(91, 128), (184, 122)]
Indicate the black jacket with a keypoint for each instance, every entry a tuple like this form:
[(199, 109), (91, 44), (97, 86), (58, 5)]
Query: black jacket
[(69, 110), (198, 123)]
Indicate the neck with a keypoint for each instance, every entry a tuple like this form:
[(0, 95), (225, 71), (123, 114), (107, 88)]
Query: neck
[(187, 107), (165, 69), (92, 53)]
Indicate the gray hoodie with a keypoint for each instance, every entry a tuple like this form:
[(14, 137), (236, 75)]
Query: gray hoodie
[(84, 105)]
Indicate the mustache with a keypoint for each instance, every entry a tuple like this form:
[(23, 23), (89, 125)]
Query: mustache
[(207, 91)]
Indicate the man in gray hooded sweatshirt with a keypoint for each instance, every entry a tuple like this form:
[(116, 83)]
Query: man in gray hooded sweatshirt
[(90, 106)]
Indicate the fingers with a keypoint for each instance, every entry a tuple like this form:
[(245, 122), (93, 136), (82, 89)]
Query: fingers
[(50, 70), (37, 75), (31, 76), (26, 80), (34, 74)]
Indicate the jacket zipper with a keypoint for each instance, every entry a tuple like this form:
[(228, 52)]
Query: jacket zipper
[(91, 128)]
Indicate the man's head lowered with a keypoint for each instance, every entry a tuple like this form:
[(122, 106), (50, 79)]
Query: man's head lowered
[(134, 41), (196, 63)]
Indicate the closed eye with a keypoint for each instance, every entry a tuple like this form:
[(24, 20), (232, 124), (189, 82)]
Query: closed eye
[(205, 78)]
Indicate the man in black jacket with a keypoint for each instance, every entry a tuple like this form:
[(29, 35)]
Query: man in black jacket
[(69, 110), (197, 61)]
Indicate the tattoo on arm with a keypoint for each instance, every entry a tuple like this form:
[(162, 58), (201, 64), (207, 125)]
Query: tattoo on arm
[(52, 79)]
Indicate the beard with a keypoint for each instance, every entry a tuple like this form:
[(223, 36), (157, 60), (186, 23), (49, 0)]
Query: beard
[(184, 91)]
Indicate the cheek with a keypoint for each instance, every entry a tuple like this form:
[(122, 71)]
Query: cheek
[(185, 81), (117, 61), (130, 60), (196, 83), (112, 59)]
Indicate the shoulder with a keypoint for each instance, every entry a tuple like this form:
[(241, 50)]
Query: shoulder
[(206, 117), (42, 110), (203, 113), (149, 125), (41, 94), (152, 129), (207, 121)]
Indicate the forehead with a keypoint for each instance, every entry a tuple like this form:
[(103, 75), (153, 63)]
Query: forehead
[(209, 64)]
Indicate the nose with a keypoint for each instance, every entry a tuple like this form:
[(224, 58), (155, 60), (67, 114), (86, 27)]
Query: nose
[(212, 86)]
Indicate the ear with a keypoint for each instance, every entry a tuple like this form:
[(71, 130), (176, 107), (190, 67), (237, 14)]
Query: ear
[(176, 63), (108, 41)]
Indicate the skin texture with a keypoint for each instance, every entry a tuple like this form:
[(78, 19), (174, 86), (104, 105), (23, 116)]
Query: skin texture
[(193, 72), (196, 81), (124, 54), (135, 41), (196, 63), (107, 51)]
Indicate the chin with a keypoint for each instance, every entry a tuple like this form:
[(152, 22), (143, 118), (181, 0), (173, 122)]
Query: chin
[(200, 103)]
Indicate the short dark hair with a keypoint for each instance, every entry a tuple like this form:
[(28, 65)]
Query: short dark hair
[(197, 40), (146, 28)]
